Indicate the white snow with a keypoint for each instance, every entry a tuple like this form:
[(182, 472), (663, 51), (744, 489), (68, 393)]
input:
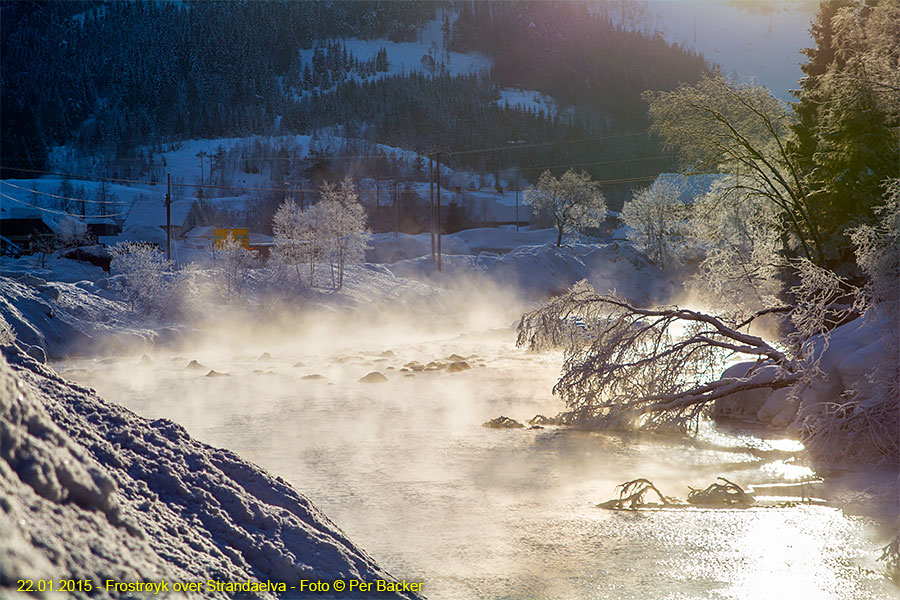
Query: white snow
[(528, 100), (536, 272), (89, 490), (406, 57)]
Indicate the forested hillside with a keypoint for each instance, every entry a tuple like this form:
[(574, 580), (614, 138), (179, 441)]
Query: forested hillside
[(108, 78)]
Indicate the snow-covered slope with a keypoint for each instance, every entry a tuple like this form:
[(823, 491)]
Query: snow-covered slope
[(536, 272), (56, 319), (89, 490)]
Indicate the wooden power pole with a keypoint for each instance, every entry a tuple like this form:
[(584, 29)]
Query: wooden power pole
[(517, 209), (431, 202), (168, 216), (439, 262)]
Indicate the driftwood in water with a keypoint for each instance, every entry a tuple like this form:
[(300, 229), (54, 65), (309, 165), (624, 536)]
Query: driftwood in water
[(632, 493), (720, 494)]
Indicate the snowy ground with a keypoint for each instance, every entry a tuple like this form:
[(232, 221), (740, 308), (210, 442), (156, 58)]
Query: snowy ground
[(91, 491), (406, 57)]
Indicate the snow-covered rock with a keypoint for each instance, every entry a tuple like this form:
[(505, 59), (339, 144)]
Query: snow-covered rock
[(745, 404), (846, 358), (89, 490)]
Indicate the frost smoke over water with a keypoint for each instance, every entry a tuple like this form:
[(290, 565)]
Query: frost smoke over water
[(405, 468)]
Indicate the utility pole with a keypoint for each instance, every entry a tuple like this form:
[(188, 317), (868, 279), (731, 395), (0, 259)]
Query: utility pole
[(439, 262), (517, 209), (200, 155), (396, 207), (168, 216), (431, 202)]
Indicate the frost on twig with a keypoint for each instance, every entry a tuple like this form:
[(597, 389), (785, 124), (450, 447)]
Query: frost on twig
[(628, 367)]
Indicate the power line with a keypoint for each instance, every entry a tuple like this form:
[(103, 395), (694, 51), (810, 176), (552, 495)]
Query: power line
[(64, 197), (85, 177), (289, 189), (58, 212), (541, 144), (585, 164)]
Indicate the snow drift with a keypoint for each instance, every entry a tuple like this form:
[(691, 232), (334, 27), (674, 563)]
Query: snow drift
[(89, 490)]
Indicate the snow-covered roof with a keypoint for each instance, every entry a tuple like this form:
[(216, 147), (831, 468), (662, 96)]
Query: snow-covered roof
[(261, 239), (201, 231), (147, 211), (59, 224)]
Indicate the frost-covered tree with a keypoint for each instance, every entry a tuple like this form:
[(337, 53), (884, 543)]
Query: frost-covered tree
[(742, 129), (742, 263), (235, 262), (657, 218), (299, 236), (572, 202), (649, 368), (334, 229), (344, 227), (848, 130), (143, 267), (635, 367)]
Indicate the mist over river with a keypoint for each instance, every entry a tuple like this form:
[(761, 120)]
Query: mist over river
[(406, 469)]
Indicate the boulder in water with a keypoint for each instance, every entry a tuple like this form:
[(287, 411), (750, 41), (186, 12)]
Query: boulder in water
[(265, 356), (194, 365), (313, 376), (373, 377), (214, 373), (456, 367)]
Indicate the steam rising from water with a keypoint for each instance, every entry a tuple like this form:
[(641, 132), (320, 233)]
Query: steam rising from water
[(405, 468)]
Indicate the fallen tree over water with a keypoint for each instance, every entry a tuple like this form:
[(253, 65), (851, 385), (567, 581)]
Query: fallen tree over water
[(628, 367)]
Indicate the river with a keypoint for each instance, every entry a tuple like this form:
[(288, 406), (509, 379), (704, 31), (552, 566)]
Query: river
[(406, 469)]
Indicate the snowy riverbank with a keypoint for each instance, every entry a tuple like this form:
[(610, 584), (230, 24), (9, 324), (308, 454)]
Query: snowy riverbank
[(91, 491)]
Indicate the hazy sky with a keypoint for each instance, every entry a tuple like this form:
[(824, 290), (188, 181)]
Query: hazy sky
[(760, 39)]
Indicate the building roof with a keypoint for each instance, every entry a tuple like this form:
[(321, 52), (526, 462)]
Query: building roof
[(152, 211), (58, 224)]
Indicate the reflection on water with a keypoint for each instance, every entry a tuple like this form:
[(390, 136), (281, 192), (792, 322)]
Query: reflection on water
[(406, 469)]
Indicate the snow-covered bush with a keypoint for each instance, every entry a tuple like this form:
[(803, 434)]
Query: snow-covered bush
[(570, 203), (862, 423), (657, 219), (143, 267), (184, 297)]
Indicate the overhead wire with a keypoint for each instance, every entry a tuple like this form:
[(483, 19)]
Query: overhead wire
[(64, 197), (59, 212)]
